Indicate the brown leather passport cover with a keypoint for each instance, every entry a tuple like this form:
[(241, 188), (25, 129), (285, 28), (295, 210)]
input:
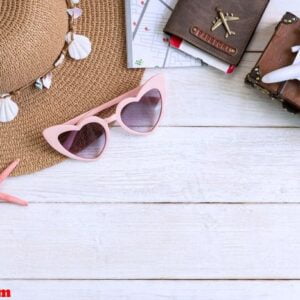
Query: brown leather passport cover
[(278, 54), (192, 21)]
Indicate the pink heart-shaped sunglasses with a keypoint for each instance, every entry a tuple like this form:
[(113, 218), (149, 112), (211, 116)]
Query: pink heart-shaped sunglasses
[(86, 136)]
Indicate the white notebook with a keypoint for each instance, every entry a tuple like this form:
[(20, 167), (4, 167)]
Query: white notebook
[(147, 45)]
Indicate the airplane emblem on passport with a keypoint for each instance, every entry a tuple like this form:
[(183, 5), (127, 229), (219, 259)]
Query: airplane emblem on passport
[(224, 19)]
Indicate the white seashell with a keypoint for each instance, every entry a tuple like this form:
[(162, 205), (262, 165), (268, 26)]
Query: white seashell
[(80, 46), (8, 109), (60, 60), (75, 12), (47, 81), (74, 2)]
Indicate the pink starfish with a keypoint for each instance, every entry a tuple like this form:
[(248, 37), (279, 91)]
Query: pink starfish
[(3, 176)]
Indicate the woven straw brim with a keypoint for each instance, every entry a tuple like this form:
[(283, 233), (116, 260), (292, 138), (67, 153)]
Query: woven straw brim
[(77, 87)]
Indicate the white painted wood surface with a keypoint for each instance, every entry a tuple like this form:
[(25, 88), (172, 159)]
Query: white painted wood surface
[(184, 164), (158, 209), (153, 290), (148, 241)]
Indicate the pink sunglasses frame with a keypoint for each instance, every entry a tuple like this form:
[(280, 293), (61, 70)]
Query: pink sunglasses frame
[(51, 134)]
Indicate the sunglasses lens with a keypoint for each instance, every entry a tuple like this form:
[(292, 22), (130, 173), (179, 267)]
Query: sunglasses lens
[(87, 143), (143, 116)]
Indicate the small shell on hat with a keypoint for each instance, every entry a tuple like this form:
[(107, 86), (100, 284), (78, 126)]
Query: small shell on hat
[(44, 82), (39, 84), (79, 47), (8, 109), (60, 60), (75, 12), (74, 2), (47, 81)]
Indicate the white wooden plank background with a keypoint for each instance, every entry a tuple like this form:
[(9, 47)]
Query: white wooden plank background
[(176, 165), (147, 241), (153, 290), (214, 194)]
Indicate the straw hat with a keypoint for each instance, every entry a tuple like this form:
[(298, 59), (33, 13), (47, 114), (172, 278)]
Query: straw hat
[(33, 40)]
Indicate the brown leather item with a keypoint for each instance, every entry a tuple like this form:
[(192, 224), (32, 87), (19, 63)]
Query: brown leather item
[(192, 21), (278, 54)]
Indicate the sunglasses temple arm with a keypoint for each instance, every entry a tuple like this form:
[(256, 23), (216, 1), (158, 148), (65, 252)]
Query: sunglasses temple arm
[(9, 170), (11, 199)]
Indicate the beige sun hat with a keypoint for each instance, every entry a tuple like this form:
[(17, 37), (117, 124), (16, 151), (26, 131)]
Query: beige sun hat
[(34, 55)]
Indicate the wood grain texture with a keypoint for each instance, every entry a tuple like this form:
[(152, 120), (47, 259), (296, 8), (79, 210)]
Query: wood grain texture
[(97, 241), (153, 290), (177, 165)]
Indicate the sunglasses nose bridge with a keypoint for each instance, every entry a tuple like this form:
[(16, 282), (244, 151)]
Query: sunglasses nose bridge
[(111, 119)]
